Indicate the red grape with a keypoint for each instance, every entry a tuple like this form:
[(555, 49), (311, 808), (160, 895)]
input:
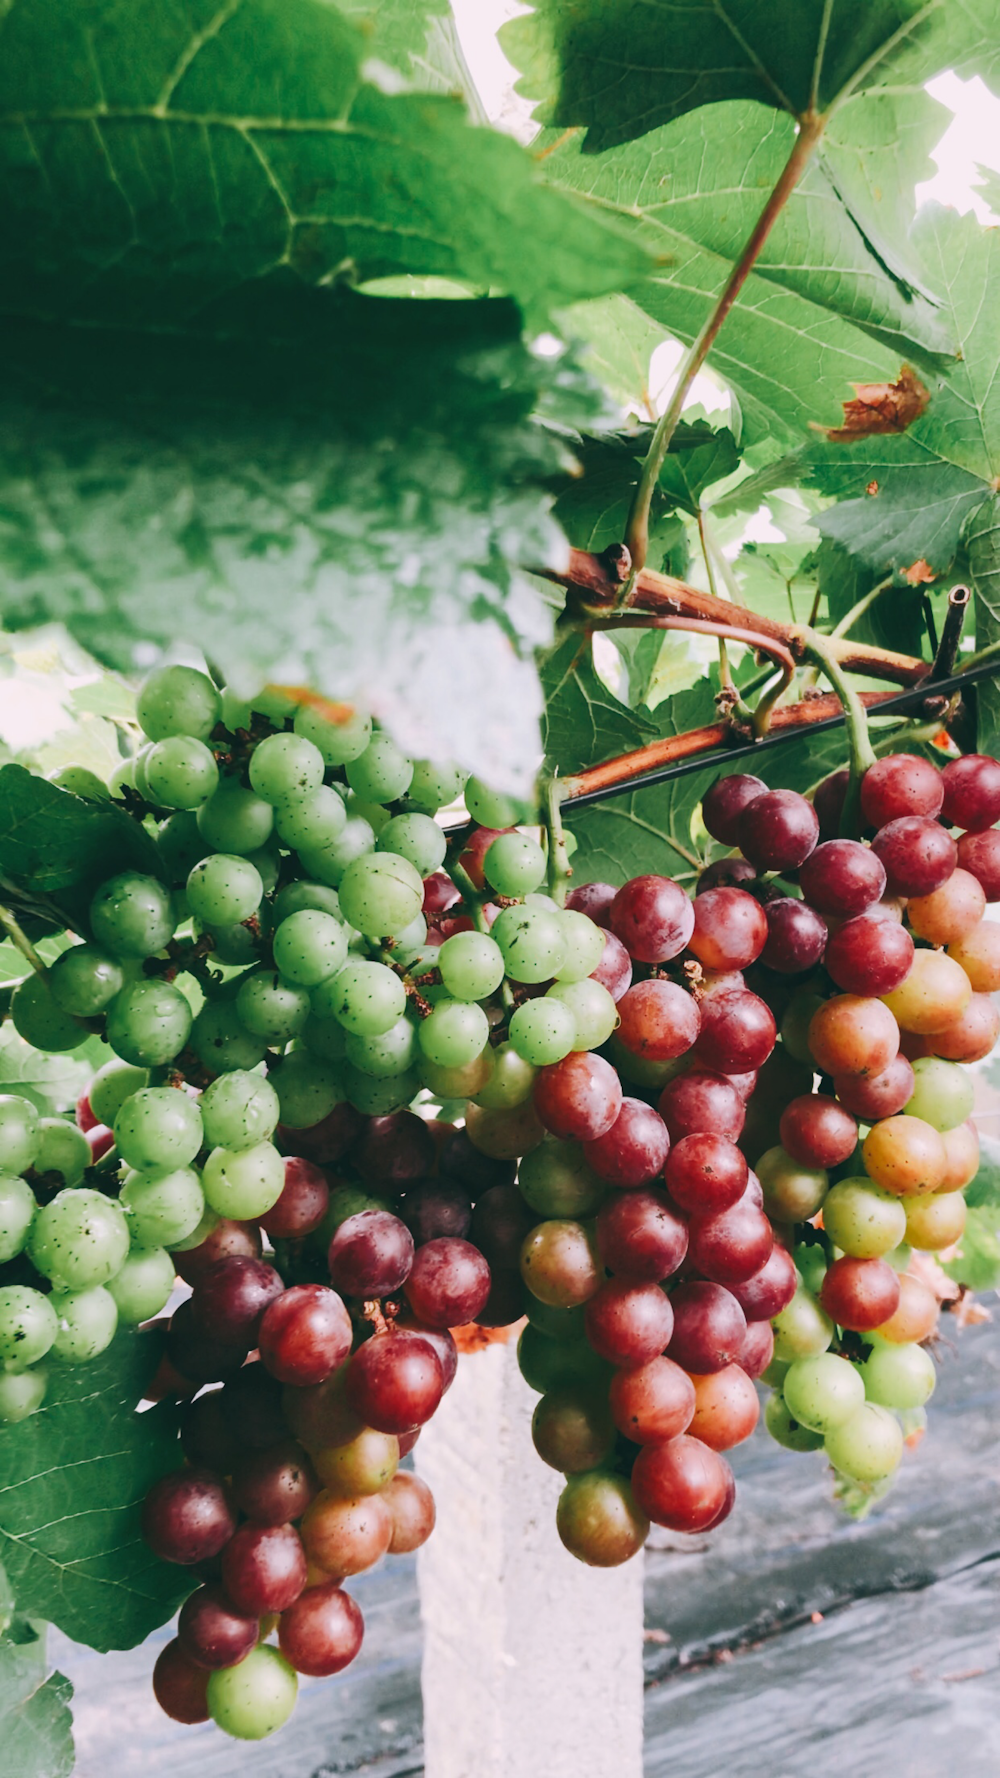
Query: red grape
[(738, 1032), (229, 1299), (778, 830), (441, 1341), (860, 1293), (899, 785), (701, 1101), (264, 1568), (578, 1098), (723, 804), (346, 1536), (628, 1323), (709, 1327), (305, 1335), (394, 1150), (411, 1504), (706, 1173), (918, 853), (322, 1631), (594, 900), (971, 787), (979, 854), (683, 1484), (852, 1034), (435, 1207), (274, 1486), (726, 1410), (653, 918), (371, 1254), (970, 1038), (180, 1685), (659, 1020), (302, 1204), (640, 1235), (187, 1517), (757, 1349), (842, 877), (212, 1632), (633, 1151), (725, 873), (439, 894), (766, 1292), (227, 1240), (448, 1284), (875, 1096), (817, 1132), (653, 1402), (869, 954), (614, 971), (395, 1381), (796, 936), (732, 1246), (730, 929), (829, 800)]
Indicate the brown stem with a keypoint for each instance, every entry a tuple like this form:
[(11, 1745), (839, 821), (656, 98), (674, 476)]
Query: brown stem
[(704, 626)]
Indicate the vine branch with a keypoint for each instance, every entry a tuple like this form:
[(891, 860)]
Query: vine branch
[(559, 872), (20, 940)]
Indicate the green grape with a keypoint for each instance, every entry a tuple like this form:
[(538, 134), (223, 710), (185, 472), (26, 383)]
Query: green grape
[(180, 773), (88, 1322), (471, 965), (235, 820), (380, 894), (327, 863), (325, 1038), (811, 1263), (19, 1136), (822, 1392), (83, 982), (143, 1286), (543, 1031), (62, 1148), (900, 1377), (149, 1023), (593, 1009), (868, 1446), (584, 946), (307, 1088), (555, 1324), (80, 782), (899, 1258), (296, 897), (514, 864), (792, 1193), (862, 1219), (111, 1086), (531, 939), (285, 766), (79, 1239), (239, 1110), (310, 946), (492, 809), (313, 821), (416, 838), (267, 863), (433, 786), (254, 1697), (387, 1055), (163, 1207), (338, 742), (178, 701), (943, 1093), (21, 1393), (180, 846), (377, 1098), (376, 815), (802, 1330), (268, 701), (224, 889), (244, 1183), (236, 946), (511, 1080), (158, 1127), (786, 1431), (455, 1032), (775, 1374), (270, 1007), (221, 1041), (17, 1212), (410, 944), (139, 770), (555, 1180), (380, 774), (122, 778), (36, 1017), (208, 1220), (365, 998), (642, 1070), (28, 1326), (132, 915)]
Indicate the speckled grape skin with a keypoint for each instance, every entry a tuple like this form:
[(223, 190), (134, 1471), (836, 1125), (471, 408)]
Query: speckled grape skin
[(381, 773), (88, 1321), (178, 700), (337, 741), (149, 1023), (284, 766), (532, 943), (311, 820), (416, 838), (381, 893), (62, 1149), (83, 981), (79, 1239), (365, 998), (309, 946), (221, 1041), (235, 820), (271, 1007), (132, 915), (19, 1136), (239, 1110), (181, 773), (164, 1207), (158, 1127), (308, 1090), (17, 1211), (224, 889), (29, 1326)]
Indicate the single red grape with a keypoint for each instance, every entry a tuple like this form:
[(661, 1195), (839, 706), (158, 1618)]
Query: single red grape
[(437, 1337), (187, 1516), (212, 1632), (766, 1292), (579, 1097), (302, 1204), (653, 917), (435, 1207), (439, 894), (730, 929), (322, 1631), (701, 1101), (757, 1349), (705, 1173), (500, 1221), (738, 1032), (899, 785), (594, 900), (180, 1685), (730, 1247), (817, 1132), (874, 1096), (371, 1254), (326, 1142), (411, 1504), (971, 787), (869, 954), (628, 1323), (633, 1151), (614, 971), (305, 1335), (725, 873), (394, 1150), (264, 1568), (723, 804), (395, 1381), (448, 1284), (778, 830), (796, 936), (195, 1355), (709, 1327), (828, 801), (842, 877), (227, 1240), (230, 1298), (652, 1403), (860, 1293), (979, 854), (683, 1484), (918, 853), (275, 1486), (659, 1020)]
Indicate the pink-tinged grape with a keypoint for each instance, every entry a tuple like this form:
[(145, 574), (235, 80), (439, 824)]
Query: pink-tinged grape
[(542, 1031), (949, 914), (767, 1291), (658, 1020), (817, 1132), (792, 1192), (796, 936), (149, 1023), (738, 1032), (632, 1152), (852, 1034), (395, 1381), (439, 894), (640, 1235), (918, 853), (653, 918), (702, 1102), (211, 1632), (726, 1409), (158, 1127), (178, 700), (705, 1173), (900, 1377), (823, 1392), (599, 1521), (532, 942), (305, 1335), (730, 929), (255, 1697), (322, 1632), (730, 1247), (448, 1284), (243, 1183), (557, 1180), (979, 955), (935, 1221), (916, 1317), (726, 873), (875, 1096), (943, 1094), (180, 1685), (79, 1239), (869, 955), (614, 971), (970, 1038), (592, 899), (901, 784), (653, 1402), (801, 1329), (411, 1505), (709, 1327), (230, 1298), (979, 853), (274, 1486), (971, 787), (586, 944), (860, 1294), (363, 1465), (559, 1263), (778, 830), (683, 1484), (371, 1254), (572, 1430), (578, 1098), (934, 995), (905, 1155), (842, 877), (961, 1149), (628, 1323), (187, 1517), (264, 1568), (723, 804), (868, 1446), (757, 1351)]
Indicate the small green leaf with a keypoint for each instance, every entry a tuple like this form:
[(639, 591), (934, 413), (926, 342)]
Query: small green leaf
[(984, 1192), (593, 505), (51, 840), (52, 1082), (584, 722), (36, 1727), (977, 1263)]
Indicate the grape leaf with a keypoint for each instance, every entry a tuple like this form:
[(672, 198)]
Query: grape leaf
[(984, 568), (584, 722), (52, 1082), (894, 621), (617, 341), (36, 1727), (984, 1192), (593, 505), (72, 1478), (977, 1264), (51, 840)]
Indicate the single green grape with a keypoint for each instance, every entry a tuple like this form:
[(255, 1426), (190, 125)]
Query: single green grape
[(79, 1239), (788, 1432), (83, 981), (22, 1393), (296, 897), (802, 1329), (224, 889), (180, 846), (239, 1110), (221, 1041), (254, 1697), (36, 1017), (411, 943), (823, 1392), (80, 782), (158, 1127), (149, 1023), (143, 1286), (235, 819), (455, 1032), (471, 965), (111, 1086), (325, 1038), (943, 1093), (379, 1098), (271, 1007), (62, 1148), (385, 1056), (532, 943), (380, 774), (178, 701), (28, 1326), (310, 946), (900, 1377), (584, 944), (338, 742), (510, 1083), (380, 894), (244, 1183), (312, 820), (364, 997), (180, 773), (491, 808), (862, 1219), (792, 1192), (555, 1180), (285, 766), (268, 701), (307, 1088), (132, 915), (163, 1207), (543, 1031), (514, 864), (17, 1213), (88, 1322), (416, 838), (593, 1009), (432, 786), (19, 1136), (237, 946), (122, 778), (868, 1446), (327, 863)]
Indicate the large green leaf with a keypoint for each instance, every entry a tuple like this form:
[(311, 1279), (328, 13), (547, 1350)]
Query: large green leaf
[(72, 1479), (584, 722), (36, 1728), (984, 567), (51, 840)]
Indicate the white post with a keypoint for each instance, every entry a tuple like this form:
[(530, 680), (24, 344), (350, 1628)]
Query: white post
[(532, 1662)]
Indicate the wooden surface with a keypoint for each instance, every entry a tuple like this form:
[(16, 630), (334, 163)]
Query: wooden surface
[(899, 1678)]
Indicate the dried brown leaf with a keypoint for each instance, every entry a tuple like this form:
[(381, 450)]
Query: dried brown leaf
[(881, 407)]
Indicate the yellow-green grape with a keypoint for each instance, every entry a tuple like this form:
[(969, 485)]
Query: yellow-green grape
[(310, 946), (380, 894), (22, 1393), (179, 773), (163, 1207), (491, 808), (432, 787), (416, 838), (514, 864), (823, 1392), (385, 1056), (149, 1023), (81, 782), (122, 778), (271, 1007), (868, 1446), (238, 1110), (88, 1322), (584, 943), (19, 1136), (471, 965), (312, 820), (143, 1286), (787, 1431), (235, 819), (208, 1221), (79, 1239), (285, 766), (543, 1031), (792, 1193), (307, 1088), (532, 942), (802, 1329), (257, 1695), (363, 997), (943, 1094), (245, 1183), (83, 981), (593, 1009), (158, 1127), (377, 1098), (454, 1033), (464, 1082), (221, 1041), (900, 1377), (132, 915), (338, 742), (510, 1082), (224, 889), (328, 862), (862, 1219), (111, 1086), (381, 774)]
